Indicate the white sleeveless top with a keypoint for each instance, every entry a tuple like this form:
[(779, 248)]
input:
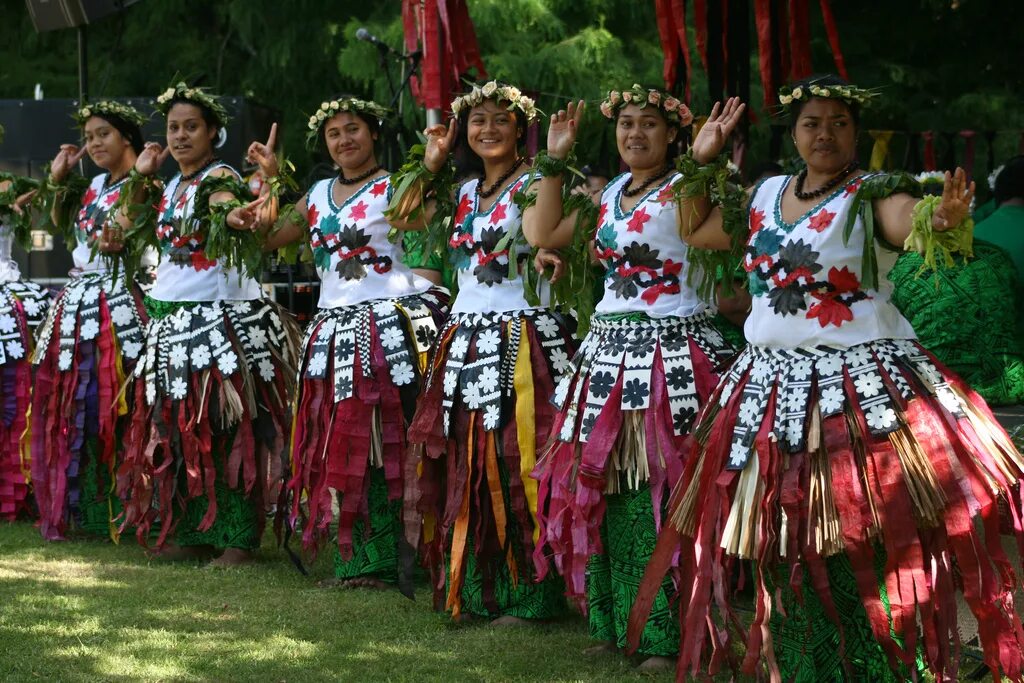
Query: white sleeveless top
[(184, 273), (353, 255), (483, 271), (92, 216), (643, 255), (806, 284)]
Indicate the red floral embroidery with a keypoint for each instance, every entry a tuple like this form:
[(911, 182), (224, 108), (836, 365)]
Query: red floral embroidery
[(463, 209), (312, 215), (200, 262), (822, 220), (89, 198), (358, 212), (111, 198), (636, 223), (379, 189), (833, 308), (601, 213), (162, 206), (499, 213), (853, 187), (756, 220), (665, 196)]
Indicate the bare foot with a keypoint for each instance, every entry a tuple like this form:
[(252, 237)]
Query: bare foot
[(233, 557), (183, 553), (509, 620), (656, 664), (606, 647), (332, 582)]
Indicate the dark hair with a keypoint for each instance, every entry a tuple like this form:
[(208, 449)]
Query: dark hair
[(131, 132), (372, 122), (208, 116), (824, 81), (1010, 181), (465, 158)]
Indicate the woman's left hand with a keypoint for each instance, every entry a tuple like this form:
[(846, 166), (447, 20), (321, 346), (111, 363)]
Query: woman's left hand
[(563, 128), (262, 154), (549, 258), (245, 217), (956, 201)]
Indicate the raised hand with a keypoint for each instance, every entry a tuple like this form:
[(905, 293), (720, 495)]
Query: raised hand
[(716, 130), (262, 154), (440, 141), (956, 201), (563, 128), (246, 217), (66, 158), (22, 202), (152, 157)]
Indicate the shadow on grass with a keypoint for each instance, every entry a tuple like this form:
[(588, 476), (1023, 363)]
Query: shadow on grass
[(90, 610)]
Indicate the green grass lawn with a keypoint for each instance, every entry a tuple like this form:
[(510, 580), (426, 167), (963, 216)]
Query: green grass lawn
[(88, 610)]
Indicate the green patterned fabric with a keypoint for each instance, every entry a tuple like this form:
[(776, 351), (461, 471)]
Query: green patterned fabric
[(157, 308), (375, 554), (806, 641), (525, 600), (97, 503), (613, 578), (732, 333), (414, 247), (237, 524)]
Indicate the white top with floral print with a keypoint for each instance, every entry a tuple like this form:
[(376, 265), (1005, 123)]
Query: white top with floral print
[(185, 273), (484, 282), (643, 255), (351, 250), (96, 204), (806, 283)]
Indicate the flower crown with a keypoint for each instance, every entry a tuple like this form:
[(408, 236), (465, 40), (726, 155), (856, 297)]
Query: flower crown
[(195, 95), (847, 93), (111, 108), (672, 109), (492, 90), (330, 109)]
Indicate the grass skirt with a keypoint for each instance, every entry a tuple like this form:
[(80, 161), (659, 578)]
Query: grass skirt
[(808, 453), (23, 307), (357, 388), (91, 340), (215, 379), (483, 414), (631, 394)]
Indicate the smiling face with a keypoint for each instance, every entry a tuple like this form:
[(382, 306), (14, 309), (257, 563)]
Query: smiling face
[(825, 135), (188, 134), (349, 141), (643, 136), (105, 144), (491, 131)]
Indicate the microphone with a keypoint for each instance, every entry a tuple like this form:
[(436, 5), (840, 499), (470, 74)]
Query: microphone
[(365, 35)]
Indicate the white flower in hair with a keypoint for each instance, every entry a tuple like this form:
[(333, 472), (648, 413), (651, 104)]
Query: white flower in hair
[(489, 88)]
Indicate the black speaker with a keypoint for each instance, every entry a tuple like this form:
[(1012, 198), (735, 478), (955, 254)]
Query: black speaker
[(35, 130), (49, 15)]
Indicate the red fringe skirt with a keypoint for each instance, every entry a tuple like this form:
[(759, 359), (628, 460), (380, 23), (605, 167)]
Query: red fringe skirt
[(485, 403), (805, 453), (625, 407), (357, 388), (91, 340), (210, 372), (23, 306)]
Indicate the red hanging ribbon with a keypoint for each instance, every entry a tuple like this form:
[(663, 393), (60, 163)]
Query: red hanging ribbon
[(679, 12), (669, 45), (833, 37), (763, 23), (929, 150), (700, 20), (800, 40)]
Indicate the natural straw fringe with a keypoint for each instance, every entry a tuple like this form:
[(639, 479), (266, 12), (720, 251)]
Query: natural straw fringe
[(630, 454), (920, 479)]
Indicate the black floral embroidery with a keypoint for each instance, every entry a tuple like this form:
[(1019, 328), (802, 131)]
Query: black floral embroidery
[(635, 392), (588, 423), (682, 420), (643, 347), (616, 342), (353, 262), (625, 273), (344, 348), (796, 261), (679, 377), (490, 271), (425, 335), (601, 384), (675, 341)]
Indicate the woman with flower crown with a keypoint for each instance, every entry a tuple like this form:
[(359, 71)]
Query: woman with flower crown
[(363, 355), (862, 477), (93, 336), (203, 450), (650, 360), (484, 408), (23, 307)]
